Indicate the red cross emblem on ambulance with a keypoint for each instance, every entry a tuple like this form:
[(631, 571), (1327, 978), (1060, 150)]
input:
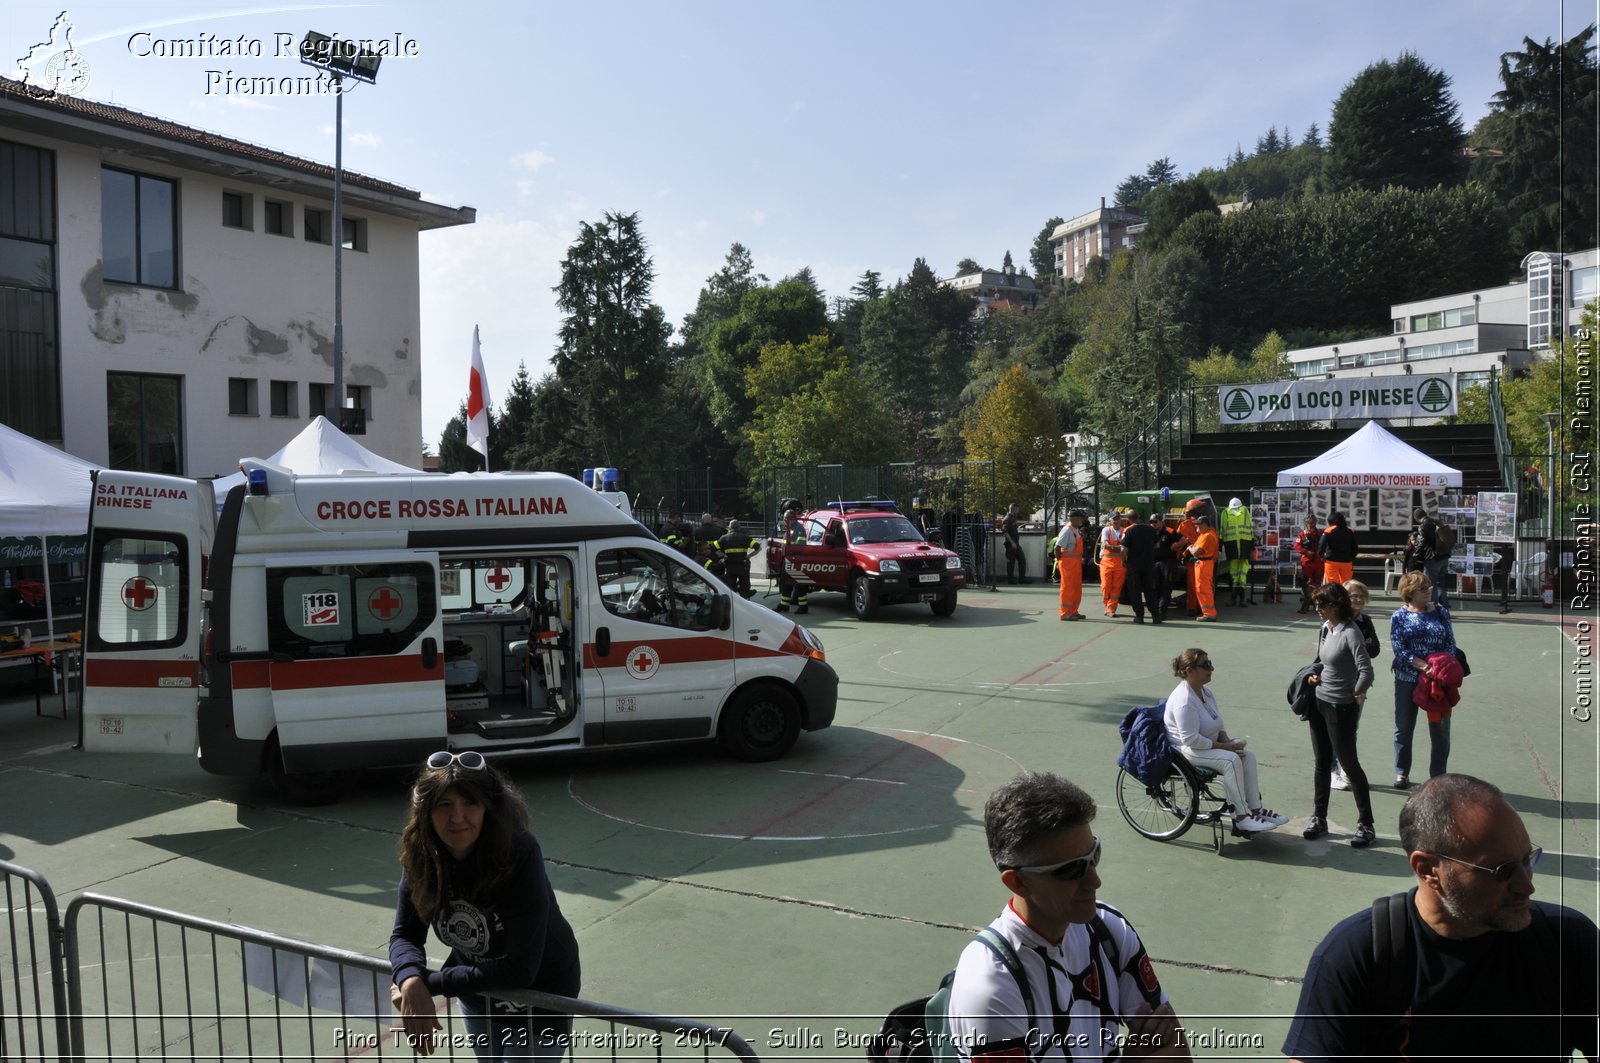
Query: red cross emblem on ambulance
[(139, 594), (385, 603), (643, 662), (498, 579)]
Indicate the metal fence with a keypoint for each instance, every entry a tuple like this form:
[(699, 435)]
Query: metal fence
[(123, 980)]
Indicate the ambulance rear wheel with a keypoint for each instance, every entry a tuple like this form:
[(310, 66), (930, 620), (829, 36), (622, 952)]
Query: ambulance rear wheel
[(944, 606), (305, 788), (863, 598), (761, 724)]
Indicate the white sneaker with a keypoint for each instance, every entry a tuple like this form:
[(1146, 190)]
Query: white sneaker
[(1253, 824), (1277, 819), (1339, 781)]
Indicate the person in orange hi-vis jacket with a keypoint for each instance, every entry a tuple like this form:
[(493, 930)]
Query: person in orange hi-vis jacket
[(1190, 532), (1112, 572), (1204, 569), (1069, 563)]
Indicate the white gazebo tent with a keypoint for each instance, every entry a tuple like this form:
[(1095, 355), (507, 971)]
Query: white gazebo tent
[(44, 493), (1371, 457), (321, 448)]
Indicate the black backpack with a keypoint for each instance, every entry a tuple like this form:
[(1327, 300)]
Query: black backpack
[(1444, 541), (920, 1028)]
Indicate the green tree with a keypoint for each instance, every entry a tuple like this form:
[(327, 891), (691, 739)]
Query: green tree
[(1395, 123), (719, 298), (1546, 116), (612, 360), (809, 407), (787, 312), (1042, 256), (516, 418), (867, 288), (1170, 207), (968, 265), (1016, 428), (916, 343), (1269, 361)]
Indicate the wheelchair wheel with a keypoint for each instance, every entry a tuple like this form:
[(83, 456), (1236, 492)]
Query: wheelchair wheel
[(1161, 812)]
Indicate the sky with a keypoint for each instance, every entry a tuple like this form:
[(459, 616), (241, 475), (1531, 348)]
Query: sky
[(840, 135)]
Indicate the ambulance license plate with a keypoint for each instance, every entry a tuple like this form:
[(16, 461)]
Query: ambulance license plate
[(929, 577)]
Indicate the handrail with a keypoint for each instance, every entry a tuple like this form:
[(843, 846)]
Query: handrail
[(1502, 434), (1161, 438)]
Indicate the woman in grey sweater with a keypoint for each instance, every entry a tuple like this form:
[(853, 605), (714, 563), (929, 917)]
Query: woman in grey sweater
[(1341, 691)]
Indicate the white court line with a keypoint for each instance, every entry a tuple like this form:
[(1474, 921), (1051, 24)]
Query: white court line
[(846, 778)]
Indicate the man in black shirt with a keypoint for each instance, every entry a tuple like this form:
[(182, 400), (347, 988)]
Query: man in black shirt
[(1016, 561), (1139, 562)]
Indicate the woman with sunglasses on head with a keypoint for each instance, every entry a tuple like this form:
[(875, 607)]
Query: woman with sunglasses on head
[(1194, 726), (1341, 691), (471, 869)]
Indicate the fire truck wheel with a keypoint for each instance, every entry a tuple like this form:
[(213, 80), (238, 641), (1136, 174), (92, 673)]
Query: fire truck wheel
[(944, 606), (863, 598), (761, 724), (306, 788)]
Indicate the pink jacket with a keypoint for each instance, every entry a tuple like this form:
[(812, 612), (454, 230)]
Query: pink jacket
[(1439, 688)]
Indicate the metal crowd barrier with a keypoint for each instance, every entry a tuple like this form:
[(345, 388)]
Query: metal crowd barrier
[(123, 980), (33, 995)]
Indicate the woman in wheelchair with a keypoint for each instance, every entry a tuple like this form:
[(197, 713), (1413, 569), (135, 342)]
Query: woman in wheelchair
[(1194, 725)]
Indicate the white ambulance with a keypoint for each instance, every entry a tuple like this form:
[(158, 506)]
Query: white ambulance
[(333, 623)]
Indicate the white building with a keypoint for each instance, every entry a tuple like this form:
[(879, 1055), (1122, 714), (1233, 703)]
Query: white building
[(990, 286), (166, 294), (1471, 333), (1100, 233)]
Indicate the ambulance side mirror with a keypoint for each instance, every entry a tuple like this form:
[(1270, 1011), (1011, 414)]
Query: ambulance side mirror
[(721, 612)]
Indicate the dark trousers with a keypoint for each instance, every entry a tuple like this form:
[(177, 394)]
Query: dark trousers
[(1139, 589), (1016, 564), (1333, 733), (737, 576)]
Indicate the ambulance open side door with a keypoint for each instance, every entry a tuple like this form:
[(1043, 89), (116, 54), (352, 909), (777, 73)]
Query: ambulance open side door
[(353, 659), (149, 536)]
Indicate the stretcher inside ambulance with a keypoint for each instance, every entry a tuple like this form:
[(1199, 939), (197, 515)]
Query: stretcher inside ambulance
[(333, 623)]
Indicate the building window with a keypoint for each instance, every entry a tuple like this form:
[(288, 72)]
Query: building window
[(1315, 367), (1585, 287), (279, 217), (355, 234), (241, 397), (30, 376), (359, 397), (1461, 315), (144, 418), (284, 394), (318, 226), (317, 399), (238, 211), (139, 228)]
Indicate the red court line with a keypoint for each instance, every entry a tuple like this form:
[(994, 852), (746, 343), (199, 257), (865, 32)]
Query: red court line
[(1058, 660)]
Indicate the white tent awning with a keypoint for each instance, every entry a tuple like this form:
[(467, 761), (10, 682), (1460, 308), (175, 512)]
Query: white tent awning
[(1371, 457)]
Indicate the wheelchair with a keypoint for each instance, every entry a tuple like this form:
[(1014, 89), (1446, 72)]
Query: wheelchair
[(1190, 794)]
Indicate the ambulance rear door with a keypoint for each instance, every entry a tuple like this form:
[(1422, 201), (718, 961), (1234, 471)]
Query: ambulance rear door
[(148, 538), (353, 659)]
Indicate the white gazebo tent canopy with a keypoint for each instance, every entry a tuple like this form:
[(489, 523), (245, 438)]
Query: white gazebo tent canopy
[(44, 492), (1371, 457), (321, 448)]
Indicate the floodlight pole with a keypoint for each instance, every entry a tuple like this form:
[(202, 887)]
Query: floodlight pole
[(338, 250)]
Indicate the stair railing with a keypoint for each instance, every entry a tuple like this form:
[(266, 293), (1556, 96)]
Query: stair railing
[(1502, 434)]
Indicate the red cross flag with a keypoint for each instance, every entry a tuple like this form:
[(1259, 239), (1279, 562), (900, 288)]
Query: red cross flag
[(478, 403)]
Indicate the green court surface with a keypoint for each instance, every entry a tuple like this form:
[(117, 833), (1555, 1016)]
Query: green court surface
[(799, 900)]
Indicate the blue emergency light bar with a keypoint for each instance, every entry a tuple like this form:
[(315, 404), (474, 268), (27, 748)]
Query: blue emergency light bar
[(878, 503), (257, 479)]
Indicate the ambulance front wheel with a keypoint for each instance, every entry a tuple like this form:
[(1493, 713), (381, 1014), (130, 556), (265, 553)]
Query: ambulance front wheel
[(762, 723), (305, 788)]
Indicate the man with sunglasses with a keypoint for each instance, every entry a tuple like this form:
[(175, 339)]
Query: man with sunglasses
[(1091, 992), (1478, 970)]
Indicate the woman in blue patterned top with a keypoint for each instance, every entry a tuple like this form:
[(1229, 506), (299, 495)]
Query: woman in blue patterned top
[(1417, 629)]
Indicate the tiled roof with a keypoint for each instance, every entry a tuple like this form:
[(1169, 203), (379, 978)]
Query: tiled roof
[(191, 137)]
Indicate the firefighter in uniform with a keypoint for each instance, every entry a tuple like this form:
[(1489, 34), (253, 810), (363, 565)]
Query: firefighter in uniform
[(1112, 572), (1238, 540), (736, 548), (1069, 562), (794, 531), (1189, 531), (677, 533), (1203, 569)]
